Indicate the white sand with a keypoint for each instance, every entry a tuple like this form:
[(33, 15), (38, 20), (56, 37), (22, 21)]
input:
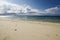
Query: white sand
[(29, 30)]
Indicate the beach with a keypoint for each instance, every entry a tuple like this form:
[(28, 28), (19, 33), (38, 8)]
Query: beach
[(28, 30)]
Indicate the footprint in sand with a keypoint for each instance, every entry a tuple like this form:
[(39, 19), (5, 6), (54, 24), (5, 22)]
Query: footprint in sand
[(7, 38), (15, 29), (56, 34)]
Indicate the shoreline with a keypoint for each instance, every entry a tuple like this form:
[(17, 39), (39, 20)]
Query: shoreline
[(31, 21)]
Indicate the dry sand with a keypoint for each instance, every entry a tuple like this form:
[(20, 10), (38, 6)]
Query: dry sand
[(29, 30)]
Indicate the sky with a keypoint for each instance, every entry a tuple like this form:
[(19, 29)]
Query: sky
[(38, 7), (39, 4)]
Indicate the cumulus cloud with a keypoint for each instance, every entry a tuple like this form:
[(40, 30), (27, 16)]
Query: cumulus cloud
[(6, 7), (53, 10), (15, 8)]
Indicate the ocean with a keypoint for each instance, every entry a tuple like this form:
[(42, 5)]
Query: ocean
[(38, 18)]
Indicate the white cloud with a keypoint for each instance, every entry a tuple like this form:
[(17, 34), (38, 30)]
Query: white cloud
[(15, 8), (53, 11), (26, 9)]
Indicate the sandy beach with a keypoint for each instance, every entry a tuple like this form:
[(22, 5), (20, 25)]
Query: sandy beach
[(29, 30)]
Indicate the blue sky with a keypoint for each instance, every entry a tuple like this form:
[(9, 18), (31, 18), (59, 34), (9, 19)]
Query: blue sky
[(38, 4), (36, 7)]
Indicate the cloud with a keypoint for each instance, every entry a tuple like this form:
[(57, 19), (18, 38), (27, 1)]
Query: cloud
[(6, 7), (53, 10), (15, 8)]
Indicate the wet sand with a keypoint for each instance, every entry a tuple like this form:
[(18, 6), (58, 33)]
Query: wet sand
[(29, 30)]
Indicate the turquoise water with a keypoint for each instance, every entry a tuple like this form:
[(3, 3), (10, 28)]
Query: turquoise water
[(38, 18)]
